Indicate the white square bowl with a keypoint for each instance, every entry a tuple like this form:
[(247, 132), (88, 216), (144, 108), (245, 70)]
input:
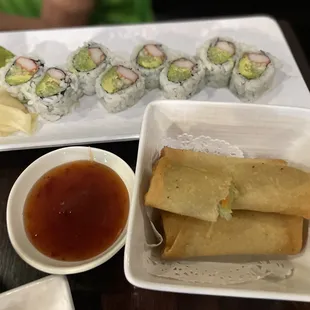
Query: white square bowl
[(48, 293), (259, 131)]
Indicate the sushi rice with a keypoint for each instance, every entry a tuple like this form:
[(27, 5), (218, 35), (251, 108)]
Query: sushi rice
[(149, 59), (218, 56), (120, 86), (253, 74), (17, 75), (87, 63), (54, 95), (182, 77)]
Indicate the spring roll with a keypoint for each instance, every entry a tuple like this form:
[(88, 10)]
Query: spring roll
[(247, 233), (265, 185), (201, 194), (272, 188)]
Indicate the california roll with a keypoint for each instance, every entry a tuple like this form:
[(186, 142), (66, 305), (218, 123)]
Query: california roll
[(120, 87), (218, 57), (17, 75), (87, 63), (182, 78), (150, 59), (253, 75), (55, 94)]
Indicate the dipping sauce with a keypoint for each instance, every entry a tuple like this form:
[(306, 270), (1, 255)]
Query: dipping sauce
[(76, 210)]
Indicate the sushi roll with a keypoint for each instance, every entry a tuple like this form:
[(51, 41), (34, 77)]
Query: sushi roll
[(120, 87), (17, 75), (182, 78), (88, 62), (252, 76), (150, 59), (54, 95), (218, 57)]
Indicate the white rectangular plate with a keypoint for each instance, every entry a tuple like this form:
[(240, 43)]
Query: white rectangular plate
[(90, 123), (49, 293), (259, 131)]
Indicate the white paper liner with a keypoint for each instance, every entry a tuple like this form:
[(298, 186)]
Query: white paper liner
[(222, 271)]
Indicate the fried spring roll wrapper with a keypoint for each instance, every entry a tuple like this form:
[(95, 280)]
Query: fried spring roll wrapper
[(201, 160), (247, 233), (265, 185), (188, 191), (270, 188)]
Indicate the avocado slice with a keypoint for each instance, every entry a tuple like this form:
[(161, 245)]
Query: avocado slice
[(250, 69), (111, 81), (5, 55), (149, 62), (177, 74), (17, 75), (82, 61), (48, 86), (218, 56)]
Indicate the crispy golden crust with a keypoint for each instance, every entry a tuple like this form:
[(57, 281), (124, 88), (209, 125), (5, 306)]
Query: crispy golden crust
[(186, 190), (247, 233), (265, 185)]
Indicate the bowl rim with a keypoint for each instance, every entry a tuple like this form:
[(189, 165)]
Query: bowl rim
[(77, 268)]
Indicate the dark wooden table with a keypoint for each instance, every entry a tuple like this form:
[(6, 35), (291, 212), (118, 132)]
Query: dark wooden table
[(106, 287)]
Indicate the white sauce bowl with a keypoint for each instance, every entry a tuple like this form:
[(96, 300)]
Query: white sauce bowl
[(16, 201)]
